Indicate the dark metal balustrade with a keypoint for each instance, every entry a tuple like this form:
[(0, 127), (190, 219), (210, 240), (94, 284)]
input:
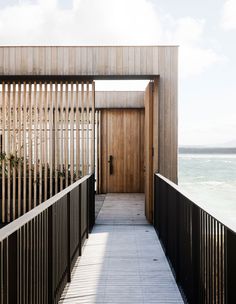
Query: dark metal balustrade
[(39, 249), (201, 250)]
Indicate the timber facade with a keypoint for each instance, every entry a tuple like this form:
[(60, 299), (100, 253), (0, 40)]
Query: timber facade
[(57, 77)]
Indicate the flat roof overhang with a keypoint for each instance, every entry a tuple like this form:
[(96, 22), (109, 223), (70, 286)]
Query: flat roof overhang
[(69, 78)]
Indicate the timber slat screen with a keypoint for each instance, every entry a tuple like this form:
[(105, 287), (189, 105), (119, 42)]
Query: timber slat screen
[(39, 249), (201, 250), (47, 141)]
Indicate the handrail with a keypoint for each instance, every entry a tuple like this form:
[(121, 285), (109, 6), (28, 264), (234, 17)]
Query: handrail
[(200, 248), (28, 216), (209, 211), (39, 249)]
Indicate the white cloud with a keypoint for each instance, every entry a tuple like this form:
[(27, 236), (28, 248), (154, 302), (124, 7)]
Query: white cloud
[(195, 60), (133, 22), (189, 34), (87, 22), (189, 30), (215, 124), (229, 15), (47, 4)]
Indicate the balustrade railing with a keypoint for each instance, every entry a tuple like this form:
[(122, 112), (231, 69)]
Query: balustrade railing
[(39, 249), (201, 249)]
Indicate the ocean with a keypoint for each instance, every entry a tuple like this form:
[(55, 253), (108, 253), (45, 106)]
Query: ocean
[(210, 180)]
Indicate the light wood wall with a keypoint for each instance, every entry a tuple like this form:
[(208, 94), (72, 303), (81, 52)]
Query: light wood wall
[(116, 62), (166, 92), (46, 143), (119, 99), (84, 60)]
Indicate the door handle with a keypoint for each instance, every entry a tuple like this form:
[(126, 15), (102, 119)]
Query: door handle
[(110, 164)]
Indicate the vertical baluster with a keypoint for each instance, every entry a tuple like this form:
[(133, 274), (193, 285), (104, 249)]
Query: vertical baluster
[(222, 265), (208, 259), (205, 255), (1, 270), (201, 254), (38, 252), (26, 252), (217, 259), (31, 251), (212, 259)]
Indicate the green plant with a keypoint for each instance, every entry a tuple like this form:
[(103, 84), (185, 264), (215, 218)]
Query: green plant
[(2, 156), (15, 160), (12, 159)]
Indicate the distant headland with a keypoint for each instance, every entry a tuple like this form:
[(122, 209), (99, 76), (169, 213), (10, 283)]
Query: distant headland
[(206, 150)]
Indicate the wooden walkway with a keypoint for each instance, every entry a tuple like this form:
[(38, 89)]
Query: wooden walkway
[(122, 261)]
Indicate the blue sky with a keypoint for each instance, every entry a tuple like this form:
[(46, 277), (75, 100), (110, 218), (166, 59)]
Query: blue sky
[(204, 30)]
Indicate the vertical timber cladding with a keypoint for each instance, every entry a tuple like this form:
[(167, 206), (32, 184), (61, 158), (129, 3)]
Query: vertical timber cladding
[(152, 151), (110, 61), (149, 150), (42, 127), (166, 91)]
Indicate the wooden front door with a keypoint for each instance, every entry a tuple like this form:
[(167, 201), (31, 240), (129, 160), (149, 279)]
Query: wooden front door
[(122, 150)]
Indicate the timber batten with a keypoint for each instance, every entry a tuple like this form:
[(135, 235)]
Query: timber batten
[(38, 133)]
